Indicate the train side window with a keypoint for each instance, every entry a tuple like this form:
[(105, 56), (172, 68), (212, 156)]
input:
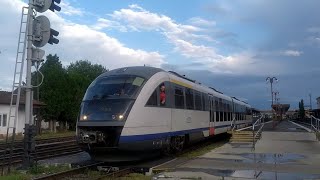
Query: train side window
[(162, 97), (198, 101), (216, 105), (189, 98), (179, 98), (204, 100), (153, 100)]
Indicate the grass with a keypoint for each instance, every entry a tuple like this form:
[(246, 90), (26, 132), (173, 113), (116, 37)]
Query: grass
[(132, 176), (35, 171), (44, 135), (15, 176), (48, 169), (203, 150), (318, 135)]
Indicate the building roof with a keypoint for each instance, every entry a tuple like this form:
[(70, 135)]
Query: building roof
[(5, 98)]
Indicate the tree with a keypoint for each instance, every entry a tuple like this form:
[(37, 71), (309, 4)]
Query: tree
[(62, 89), (80, 74), (301, 109), (54, 89)]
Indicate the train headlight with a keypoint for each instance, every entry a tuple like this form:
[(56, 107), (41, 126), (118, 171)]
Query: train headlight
[(83, 118), (118, 117)]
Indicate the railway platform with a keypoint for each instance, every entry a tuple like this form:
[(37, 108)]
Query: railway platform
[(286, 151)]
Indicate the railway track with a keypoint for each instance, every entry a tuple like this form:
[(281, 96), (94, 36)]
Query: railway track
[(45, 148), (108, 170)]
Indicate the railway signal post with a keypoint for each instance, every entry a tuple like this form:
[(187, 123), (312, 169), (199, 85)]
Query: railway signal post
[(39, 33)]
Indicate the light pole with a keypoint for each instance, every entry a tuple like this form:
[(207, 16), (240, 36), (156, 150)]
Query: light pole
[(271, 80), (275, 96)]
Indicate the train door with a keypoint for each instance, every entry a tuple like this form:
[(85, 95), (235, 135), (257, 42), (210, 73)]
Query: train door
[(211, 110)]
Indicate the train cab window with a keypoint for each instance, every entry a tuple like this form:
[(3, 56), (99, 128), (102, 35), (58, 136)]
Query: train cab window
[(179, 98), (162, 97), (189, 98), (153, 99), (198, 103)]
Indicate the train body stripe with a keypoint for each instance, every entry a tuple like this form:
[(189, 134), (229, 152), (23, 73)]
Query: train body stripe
[(181, 83), (145, 137)]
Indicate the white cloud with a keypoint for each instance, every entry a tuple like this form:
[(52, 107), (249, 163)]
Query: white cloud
[(182, 36), (292, 53), (201, 22), (69, 10), (314, 29), (103, 23), (77, 42)]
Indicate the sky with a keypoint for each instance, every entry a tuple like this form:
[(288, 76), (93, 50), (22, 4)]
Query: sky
[(231, 45)]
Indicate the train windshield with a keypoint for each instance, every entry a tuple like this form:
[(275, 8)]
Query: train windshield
[(113, 87), (110, 98), (105, 110)]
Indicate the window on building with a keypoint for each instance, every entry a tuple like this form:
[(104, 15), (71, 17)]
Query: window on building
[(198, 101), (189, 98), (178, 98), (4, 122), (153, 99), (0, 119)]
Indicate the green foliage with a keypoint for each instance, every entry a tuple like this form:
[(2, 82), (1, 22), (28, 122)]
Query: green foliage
[(45, 135), (15, 176), (63, 88), (81, 74), (203, 150), (132, 176), (52, 91), (48, 169), (301, 109)]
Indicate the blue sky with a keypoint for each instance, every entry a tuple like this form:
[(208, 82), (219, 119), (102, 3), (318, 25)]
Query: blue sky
[(232, 45)]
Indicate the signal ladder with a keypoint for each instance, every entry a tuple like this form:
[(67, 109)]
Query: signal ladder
[(16, 87)]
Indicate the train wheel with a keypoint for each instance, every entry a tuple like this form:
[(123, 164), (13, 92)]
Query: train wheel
[(177, 143)]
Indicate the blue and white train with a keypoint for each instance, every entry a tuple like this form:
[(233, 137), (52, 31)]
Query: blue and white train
[(121, 111)]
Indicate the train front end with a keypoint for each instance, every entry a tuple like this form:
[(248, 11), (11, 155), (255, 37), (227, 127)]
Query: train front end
[(105, 107)]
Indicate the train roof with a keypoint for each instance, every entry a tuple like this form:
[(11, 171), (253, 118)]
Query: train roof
[(147, 72), (142, 71), (211, 90)]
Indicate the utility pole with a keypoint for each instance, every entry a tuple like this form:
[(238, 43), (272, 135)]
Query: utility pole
[(271, 80), (39, 34), (275, 96), (310, 101)]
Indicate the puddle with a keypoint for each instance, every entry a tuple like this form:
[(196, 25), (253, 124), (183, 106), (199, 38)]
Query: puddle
[(264, 158), (271, 175), (184, 173), (272, 158)]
